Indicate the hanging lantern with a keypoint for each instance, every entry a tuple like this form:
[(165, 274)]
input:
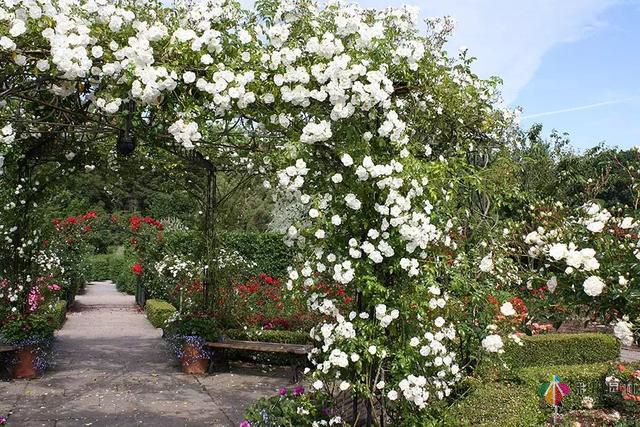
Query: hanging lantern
[(126, 143)]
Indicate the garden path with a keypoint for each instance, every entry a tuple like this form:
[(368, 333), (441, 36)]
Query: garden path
[(113, 369)]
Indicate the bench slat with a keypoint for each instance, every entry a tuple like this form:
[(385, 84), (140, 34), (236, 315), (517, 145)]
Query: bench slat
[(269, 347), (6, 348)]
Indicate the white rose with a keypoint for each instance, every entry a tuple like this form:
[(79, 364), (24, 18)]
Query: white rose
[(486, 264), (507, 309), (493, 344), (593, 286), (346, 160)]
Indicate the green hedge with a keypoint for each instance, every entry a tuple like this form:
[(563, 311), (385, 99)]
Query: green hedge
[(563, 349), (266, 250), (59, 314), (114, 266), (498, 404), (158, 311), (591, 375)]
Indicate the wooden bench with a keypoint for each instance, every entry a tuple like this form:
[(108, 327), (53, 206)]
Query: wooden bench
[(300, 350)]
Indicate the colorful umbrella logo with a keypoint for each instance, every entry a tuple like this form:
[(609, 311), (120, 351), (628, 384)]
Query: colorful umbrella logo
[(554, 391)]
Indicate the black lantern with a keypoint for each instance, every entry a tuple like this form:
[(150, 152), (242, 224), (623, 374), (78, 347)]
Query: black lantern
[(126, 143)]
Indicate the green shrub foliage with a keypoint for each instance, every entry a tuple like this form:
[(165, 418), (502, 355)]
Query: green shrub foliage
[(158, 311), (266, 250), (58, 314), (563, 349), (498, 404), (583, 380)]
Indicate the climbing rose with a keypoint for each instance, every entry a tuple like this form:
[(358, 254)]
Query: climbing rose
[(137, 269), (493, 344), (593, 286)]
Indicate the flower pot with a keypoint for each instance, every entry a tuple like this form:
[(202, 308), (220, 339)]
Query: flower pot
[(25, 363), (193, 359)]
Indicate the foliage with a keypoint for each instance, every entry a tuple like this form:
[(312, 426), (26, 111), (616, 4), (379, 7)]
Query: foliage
[(193, 325), (266, 251), (28, 311), (405, 169), (563, 349), (622, 387), (584, 261), (290, 408), (498, 404), (585, 380), (158, 312), (58, 314), (268, 335), (261, 302)]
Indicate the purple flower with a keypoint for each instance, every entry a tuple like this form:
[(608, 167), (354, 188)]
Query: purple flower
[(245, 423), (283, 391), (3, 420), (298, 390)]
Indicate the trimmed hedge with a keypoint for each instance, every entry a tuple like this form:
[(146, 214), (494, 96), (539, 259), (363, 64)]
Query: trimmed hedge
[(498, 404), (266, 250), (158, 311), (563, 349), (592, 376), (59, 314), (115, 266)]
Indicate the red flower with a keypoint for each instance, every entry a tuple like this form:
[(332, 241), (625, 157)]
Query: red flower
[(137, 269)]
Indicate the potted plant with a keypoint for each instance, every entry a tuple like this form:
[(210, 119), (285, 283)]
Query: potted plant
[(27, 322), (189, 334), (32, 336)]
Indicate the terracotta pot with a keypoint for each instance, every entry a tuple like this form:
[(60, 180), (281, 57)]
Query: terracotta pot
[(24, 367), (193, 360)]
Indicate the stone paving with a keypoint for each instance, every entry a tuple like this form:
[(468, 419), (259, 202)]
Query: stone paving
[(112, 368)]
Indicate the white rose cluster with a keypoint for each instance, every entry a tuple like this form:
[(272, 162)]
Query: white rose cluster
[(186, 133)]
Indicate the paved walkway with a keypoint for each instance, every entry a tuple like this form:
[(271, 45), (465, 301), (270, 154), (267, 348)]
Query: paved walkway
[(112, 368)]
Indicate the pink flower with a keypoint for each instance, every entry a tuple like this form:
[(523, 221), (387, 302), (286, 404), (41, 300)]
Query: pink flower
[(245, 423), (54, 287), (34, 299)]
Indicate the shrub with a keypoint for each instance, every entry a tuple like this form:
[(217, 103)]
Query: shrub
[(592, 376), (100, 267), (158, 311), (266, 250), (563, 349), (58, 314), (498, 404)]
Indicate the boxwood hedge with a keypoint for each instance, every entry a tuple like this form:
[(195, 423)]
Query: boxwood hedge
[(158, 311), (583, 380), (59, 313), (266, 250), (563, 349), (501, 404)]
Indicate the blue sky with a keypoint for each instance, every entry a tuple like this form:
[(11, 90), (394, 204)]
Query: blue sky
[(555, 55)]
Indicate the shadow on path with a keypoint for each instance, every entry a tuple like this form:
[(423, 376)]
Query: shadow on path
[(112, 368)]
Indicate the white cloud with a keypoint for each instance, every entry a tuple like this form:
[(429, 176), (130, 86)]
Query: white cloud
[(578, 108), (510, 37)]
